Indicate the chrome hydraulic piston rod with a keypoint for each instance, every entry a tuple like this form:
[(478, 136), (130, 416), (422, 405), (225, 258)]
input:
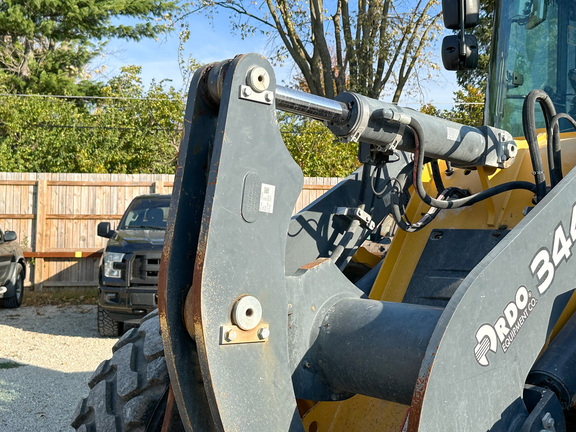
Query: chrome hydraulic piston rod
[(384, 126), (353, 117)]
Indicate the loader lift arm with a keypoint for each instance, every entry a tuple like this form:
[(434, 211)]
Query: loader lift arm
[(255, 311)]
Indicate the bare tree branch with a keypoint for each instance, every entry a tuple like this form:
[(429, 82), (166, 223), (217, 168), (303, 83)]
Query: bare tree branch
[(373, 45)]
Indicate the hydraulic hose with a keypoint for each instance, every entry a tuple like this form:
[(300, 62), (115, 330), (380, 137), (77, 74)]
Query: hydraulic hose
[(436, 176), (419, 154), (529, 125), (554, 154), (403, 182)]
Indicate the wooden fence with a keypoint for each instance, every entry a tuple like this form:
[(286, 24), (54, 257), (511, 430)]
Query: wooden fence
[(56, 215)]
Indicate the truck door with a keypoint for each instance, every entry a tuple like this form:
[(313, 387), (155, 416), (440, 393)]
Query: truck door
[(5, 258)]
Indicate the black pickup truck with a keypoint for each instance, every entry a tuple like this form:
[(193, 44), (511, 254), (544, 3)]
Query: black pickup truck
[(12, 271), (129, 268)]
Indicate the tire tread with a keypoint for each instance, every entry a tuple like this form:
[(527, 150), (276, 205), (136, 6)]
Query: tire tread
[(125, 390)]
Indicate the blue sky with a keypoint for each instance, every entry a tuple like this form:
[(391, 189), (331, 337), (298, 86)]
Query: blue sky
[(211, 42)]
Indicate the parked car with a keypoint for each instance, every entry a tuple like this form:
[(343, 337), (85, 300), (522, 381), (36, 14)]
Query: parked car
[(130, 263), (12, 271)]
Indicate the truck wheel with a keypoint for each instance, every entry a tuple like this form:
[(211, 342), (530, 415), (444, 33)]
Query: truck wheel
[(107, 326), (129, 391), (16, 300)]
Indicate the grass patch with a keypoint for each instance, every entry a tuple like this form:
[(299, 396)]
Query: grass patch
[(61, 297), (9, 364)]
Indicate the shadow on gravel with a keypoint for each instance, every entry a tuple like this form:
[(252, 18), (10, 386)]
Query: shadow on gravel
[(77, 320), (37, 399)]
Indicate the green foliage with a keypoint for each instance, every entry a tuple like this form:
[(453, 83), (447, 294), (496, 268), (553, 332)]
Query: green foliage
[(468, 109), (46, 45), (138, 132), (315, 148)]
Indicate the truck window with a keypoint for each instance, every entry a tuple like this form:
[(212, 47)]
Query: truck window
[(146, 213)]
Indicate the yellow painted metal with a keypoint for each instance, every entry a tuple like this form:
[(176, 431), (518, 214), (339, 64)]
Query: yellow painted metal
[(503, 211), (369, 254)]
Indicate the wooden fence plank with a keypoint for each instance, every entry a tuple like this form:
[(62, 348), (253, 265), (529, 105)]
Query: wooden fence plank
[(55, 217), (39, 243)]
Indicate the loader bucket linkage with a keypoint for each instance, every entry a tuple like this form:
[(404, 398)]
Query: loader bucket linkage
[(257, 316)]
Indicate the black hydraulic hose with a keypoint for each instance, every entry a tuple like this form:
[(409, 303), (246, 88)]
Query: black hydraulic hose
[(529, 125), (554, 153), (403, 182), (437, 177), (453, 203)]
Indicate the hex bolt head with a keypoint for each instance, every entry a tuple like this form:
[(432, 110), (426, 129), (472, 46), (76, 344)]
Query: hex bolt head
[(263, 333), (231, 335), (258, 79), (268, 97), (246, 91), (548, 421)]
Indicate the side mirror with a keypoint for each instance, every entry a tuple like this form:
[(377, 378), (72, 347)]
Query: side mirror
[(104, 230), (453, 13), (460, 52), (10, 236), (452, 57)]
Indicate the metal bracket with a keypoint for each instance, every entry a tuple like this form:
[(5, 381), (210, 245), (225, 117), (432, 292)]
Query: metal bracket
[(232, 335), (265, 97), (357, 213)]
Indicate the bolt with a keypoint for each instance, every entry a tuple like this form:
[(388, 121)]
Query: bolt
[(246, 91), (231, 335), (263, 333), (510, 150), (268, 97), (548, 421)]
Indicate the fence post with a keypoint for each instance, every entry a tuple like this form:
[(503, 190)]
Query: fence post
[(158, 187), (39, 241)]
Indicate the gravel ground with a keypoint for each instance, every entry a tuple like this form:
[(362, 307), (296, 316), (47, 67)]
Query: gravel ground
[(47, 356)]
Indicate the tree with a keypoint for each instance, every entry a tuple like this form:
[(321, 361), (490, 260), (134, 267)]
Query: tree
[(134, 131), (365, 47), (316, 149), (45, 45), (468, 108)]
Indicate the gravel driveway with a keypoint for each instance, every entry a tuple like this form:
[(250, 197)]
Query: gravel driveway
[(47, 355)]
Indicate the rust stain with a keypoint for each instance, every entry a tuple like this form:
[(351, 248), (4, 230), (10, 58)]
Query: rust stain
[(314, 263), (167, 422), (418, 398)]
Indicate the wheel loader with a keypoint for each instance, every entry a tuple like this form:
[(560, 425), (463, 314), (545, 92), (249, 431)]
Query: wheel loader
[(466, 323)]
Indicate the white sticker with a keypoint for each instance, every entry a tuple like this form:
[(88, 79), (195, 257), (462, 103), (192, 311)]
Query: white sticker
[(453, 134), (267, 198)]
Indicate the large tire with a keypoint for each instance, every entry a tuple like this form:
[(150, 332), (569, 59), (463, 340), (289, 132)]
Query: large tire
[(16, 300), (129, 391), (107, 326)]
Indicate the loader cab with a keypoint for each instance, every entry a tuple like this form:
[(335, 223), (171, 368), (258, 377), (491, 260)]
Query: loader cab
[(533, 47)]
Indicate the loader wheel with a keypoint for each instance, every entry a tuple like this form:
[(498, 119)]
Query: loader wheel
[(107, 326), (16, 300), (129, 391)]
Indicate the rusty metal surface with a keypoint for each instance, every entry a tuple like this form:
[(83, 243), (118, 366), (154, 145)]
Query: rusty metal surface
[(231, 334), (248, 386), (179, 254)]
